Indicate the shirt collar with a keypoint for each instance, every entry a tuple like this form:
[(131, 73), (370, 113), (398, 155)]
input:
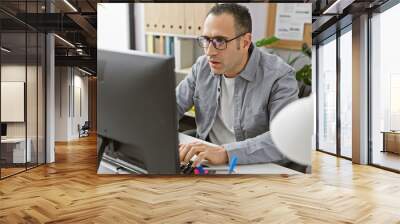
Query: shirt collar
[(249, 71)]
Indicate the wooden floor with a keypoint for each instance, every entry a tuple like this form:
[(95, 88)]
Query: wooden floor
[(10, 171), (386, 159), (70, 191), (5, 172)]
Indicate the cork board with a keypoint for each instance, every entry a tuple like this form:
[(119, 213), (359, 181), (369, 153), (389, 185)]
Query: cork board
[(286, 44)]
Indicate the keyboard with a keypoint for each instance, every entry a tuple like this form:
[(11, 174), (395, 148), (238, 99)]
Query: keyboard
[(187, 168)]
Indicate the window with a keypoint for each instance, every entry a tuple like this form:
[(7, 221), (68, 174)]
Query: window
[(385, 89), (346, 93), (327, 96)]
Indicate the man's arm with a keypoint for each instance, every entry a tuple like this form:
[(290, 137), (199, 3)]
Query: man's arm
[(261, 149), (185, 91)]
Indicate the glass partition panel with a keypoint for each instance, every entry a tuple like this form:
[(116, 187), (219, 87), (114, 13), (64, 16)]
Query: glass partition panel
[(31, 98), (14, 153), (327, 97), (385, 89), (41, 98), (346, 94), (22, 62)]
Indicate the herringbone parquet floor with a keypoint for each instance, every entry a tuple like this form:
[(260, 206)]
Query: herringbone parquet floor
[(70, 191)]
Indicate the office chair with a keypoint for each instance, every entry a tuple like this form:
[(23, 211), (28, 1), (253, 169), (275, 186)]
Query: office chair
[(84, 130)]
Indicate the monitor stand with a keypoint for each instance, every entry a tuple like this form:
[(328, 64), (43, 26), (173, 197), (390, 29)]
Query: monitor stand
[(105, 142)]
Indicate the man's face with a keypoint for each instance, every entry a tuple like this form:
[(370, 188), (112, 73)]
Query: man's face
[(230, 60)]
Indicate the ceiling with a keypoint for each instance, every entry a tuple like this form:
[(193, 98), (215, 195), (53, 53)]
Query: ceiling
[(76, 22), (329, 15)]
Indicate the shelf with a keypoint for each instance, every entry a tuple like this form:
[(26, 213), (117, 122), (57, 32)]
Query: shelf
[(172, 35), (184, 70), (180, 74)]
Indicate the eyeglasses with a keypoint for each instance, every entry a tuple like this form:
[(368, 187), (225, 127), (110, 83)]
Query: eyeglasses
[(219, 43)]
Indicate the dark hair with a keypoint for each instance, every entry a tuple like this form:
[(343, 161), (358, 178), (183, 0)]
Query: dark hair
[(240, 14)]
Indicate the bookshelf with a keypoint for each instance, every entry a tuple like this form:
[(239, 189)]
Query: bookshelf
[(172, 29), (184, 49)]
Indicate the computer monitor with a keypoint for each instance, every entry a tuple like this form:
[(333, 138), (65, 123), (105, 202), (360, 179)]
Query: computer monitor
[(3, 130), (136, 110)]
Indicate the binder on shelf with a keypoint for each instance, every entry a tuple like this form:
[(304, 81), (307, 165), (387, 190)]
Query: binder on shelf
[(199, 17), (169, 45), (152, 14), (189, 14), (150, 43), (148, 17), (159, 14), (166, 34), (172, 45), (157, 44), (166, 46), (167, 20), (176, 18), (164, 17), (162, 45), (155, 16)]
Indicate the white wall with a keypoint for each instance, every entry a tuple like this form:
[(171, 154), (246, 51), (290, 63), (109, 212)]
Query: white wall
[(113, 26), (140, 41), (68, 80), (33, 126), (258, 12), (15, 72), (61, 103), (80, 83)]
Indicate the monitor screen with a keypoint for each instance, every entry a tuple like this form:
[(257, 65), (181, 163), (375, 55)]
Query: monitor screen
[(137, 120)]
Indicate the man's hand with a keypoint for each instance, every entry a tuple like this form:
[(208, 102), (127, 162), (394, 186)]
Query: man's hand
[(214, 154)]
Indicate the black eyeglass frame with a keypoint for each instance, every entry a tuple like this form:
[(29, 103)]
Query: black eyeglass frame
[(211, 40)]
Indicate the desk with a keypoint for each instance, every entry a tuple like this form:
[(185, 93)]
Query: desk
[(391, 141), (13, 150), (262, 168), (265, 168)]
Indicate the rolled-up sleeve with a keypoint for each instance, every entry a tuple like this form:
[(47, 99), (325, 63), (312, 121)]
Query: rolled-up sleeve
[(261, 149)]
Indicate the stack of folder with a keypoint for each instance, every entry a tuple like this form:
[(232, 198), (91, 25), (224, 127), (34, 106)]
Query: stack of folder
[(175, 18), (157, 44)]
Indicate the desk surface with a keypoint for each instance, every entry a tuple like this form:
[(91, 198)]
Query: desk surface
[(13, 140), (390, 132), (264, 168)]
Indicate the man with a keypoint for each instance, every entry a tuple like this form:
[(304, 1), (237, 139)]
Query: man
[(236, 90)]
